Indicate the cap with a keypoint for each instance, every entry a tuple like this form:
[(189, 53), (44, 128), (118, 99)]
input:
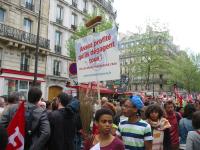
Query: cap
[(137, 102)]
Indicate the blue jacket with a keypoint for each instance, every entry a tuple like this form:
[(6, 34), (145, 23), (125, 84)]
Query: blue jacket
[(185, 125)]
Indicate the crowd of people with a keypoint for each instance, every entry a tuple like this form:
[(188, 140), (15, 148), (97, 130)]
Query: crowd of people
[(132, 124)]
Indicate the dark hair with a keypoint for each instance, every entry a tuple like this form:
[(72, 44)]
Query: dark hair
[(196, 120), (3, 138), (34, 95), (101, 112), (13, 98), (188, 111), (48, 104), (64, 99), (169, 103), (154, 108)]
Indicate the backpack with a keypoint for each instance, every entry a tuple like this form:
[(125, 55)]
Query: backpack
[(28, 127)]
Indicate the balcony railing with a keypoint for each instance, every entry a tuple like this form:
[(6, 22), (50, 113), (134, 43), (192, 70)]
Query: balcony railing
[(56, 73), (59, 21), (57, 49), (22, 36), (107, 6), (29, 6), (24, 67), (73, 27)]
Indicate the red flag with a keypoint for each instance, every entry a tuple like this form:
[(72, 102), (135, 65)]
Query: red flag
[(16, 130)]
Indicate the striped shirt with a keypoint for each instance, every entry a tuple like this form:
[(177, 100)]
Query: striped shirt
[(134, 134)]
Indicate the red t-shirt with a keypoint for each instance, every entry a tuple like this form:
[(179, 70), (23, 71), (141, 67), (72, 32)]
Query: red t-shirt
[(174, 134), (116, 144)]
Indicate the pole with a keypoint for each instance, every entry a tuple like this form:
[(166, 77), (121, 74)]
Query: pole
[(98, 88), (37, 47)]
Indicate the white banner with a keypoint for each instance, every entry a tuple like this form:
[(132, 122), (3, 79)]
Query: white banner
[(97, 57)]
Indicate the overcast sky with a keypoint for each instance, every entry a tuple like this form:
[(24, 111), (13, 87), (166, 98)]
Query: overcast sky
[(182, 18)]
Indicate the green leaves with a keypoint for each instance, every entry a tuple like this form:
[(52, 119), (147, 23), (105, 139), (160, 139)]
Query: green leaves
[(185, 72)]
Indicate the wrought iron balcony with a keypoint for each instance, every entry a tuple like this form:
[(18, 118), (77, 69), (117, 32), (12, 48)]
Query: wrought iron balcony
[(57, 49), (59, 21), (73, 27), (56, 73), (29, 6), (22, 36), (24, 67)]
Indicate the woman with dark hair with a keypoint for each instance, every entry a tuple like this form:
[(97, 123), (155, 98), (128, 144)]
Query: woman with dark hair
[(160, 127), (185, 124), (193, 138), (104, 140)]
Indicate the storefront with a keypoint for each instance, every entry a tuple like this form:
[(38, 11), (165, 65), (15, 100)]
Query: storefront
[(18, 81)]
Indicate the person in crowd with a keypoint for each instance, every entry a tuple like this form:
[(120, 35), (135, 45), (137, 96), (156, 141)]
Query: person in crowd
[(193, 138), (104, 140), (62, 125), (3, 138), (104, 100), (75, 105), (160, 127), (173, 118), (54, 105), (135, 132), (39, 124), (42, 104), (197, 105), (185, 125)]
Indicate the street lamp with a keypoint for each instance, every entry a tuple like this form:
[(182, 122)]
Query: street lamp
[(37, 47)]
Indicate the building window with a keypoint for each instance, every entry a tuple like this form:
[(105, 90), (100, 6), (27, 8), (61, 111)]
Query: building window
[(2, 15), (27, 25), (74, 3), (59, 15), (58, 41), (29, 4), (56, 68), (24, 66), (74, 21), (85, 6)]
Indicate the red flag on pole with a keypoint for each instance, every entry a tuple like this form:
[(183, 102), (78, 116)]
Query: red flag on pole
[(16, 130)]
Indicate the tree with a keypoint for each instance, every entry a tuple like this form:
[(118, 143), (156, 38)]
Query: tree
[(82, 31), (151, 54), (184, 72)]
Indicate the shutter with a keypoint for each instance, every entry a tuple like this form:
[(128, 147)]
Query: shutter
[(23, 3)]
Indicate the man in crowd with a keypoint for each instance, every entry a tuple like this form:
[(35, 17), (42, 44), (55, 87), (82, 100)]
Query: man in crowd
[(38, 130), (62, 124), (173, 118), (135, 133)]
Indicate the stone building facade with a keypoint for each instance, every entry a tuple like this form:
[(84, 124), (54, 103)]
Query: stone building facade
[(18, 29), (64, 18)]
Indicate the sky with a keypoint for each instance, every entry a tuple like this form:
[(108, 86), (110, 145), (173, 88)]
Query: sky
[(182, 18)]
